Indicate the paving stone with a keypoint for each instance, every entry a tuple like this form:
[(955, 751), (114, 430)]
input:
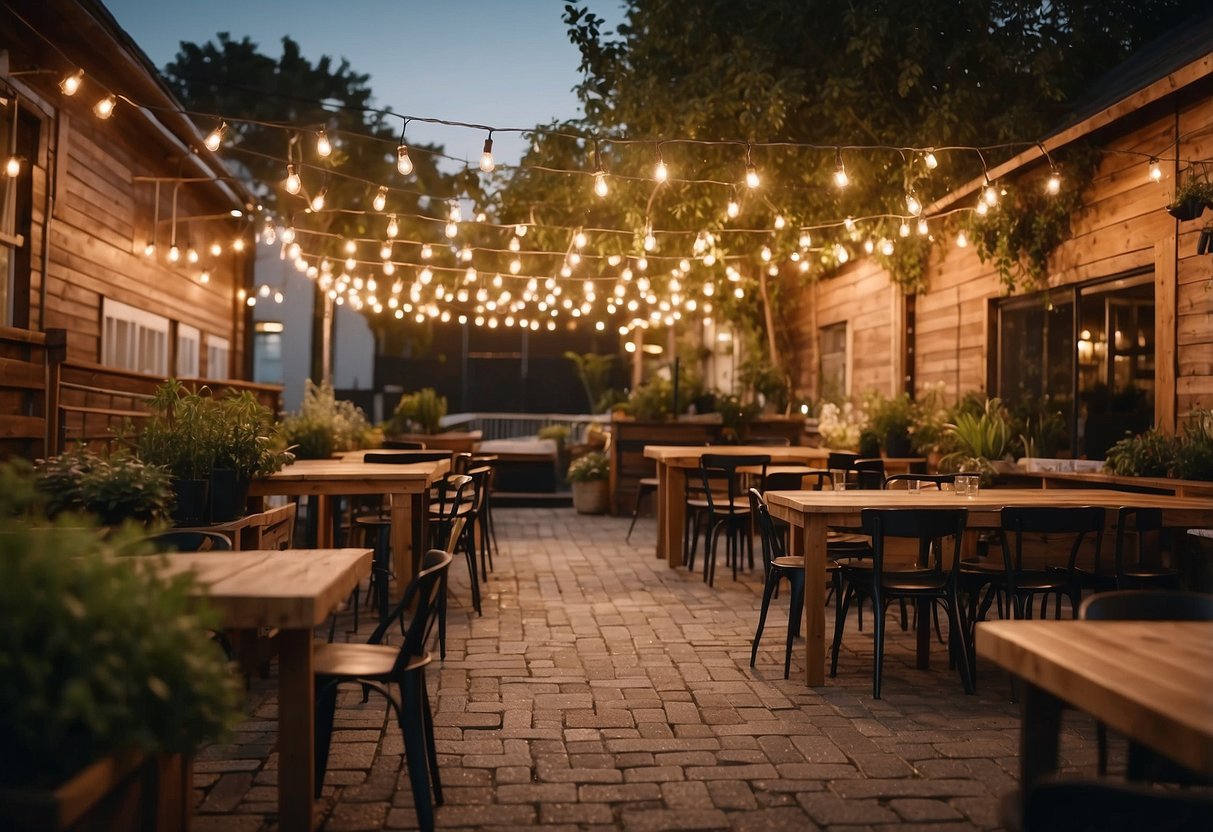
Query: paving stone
[(919, 810), (657, 820)]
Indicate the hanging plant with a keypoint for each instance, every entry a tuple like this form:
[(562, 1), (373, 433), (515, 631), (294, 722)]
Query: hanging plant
[(907, 265)]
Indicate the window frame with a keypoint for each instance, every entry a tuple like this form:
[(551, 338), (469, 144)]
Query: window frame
[(192, 335), (144, 323), (218, 347)]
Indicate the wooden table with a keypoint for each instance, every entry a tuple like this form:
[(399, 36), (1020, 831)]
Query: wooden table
[(811, 512), (673, 462), (407, 486), (293, 590), (1150, 680)]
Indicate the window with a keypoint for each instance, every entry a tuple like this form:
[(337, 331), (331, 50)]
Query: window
[(217, 350), (267, 352), (189, 339), (1055, 355), (133, 339), (19, 131), (834, 381)]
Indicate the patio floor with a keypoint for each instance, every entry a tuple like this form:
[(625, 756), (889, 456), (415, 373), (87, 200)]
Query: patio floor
[(602, 690)]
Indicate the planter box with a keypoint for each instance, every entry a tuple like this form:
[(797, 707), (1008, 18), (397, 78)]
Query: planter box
[(460, 442), (123, 792)]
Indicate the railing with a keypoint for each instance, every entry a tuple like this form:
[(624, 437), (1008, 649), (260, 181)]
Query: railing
[(515, 425)]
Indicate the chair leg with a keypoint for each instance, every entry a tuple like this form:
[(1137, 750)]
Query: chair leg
[(326, 708), (878, 620), (635, 513), (962, 649), (432, 746), (845, 593), (768, 589), (442, 592), (796, 579), (416, 749), (469, 549), (1101, 740)]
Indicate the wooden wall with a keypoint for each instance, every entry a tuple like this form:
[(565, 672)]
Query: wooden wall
[(1123, 226), (102, 218)]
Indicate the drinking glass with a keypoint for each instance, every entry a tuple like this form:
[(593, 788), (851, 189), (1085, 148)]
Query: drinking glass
[(838, 476), (914, 486)]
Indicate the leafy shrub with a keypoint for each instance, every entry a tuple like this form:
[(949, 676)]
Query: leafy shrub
[(980, 438), (593, 466), (1188, 456), (248, 440), (182, 432), (419, 412), (324, 425), (114, 488)]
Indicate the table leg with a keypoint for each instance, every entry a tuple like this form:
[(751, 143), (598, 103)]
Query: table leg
[(296, 719), (924, 635), (663, 508), (324, 521), (404, 539), (1039, 732), (676, 513), (811, 541)]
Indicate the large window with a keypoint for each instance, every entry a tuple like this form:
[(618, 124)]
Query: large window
[(19, 144), (834, 382), (217, 352), (267, 352), (1086, 352), (133, 339), (189, 340)]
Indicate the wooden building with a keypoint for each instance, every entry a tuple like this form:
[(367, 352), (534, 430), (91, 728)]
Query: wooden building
[(1126, 319), (124, 242)]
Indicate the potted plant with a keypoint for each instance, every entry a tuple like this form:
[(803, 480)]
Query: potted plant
[(419, 412), (560, 435), (982, 440), (928, 428), (114, 488), (1192, 196), (594, 371), (589, 475), (891, 420), (735, 418), (325, 425), (840, 426), (248, 444), (180, 435), (109, 678), (652, 401)]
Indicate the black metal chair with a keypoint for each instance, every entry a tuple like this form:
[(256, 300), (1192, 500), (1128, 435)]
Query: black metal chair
[(841, 460), (188, 541), (728, 507), (776, 567), (377, 666), (930, 581), (1145, 605), (456, 499), (869, 474), (645, 487), (936, 481), (1147, 525)]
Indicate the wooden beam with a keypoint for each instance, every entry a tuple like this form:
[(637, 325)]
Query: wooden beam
[(1165, 346)]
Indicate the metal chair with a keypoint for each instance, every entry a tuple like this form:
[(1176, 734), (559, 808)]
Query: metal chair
[(776, 567), (644, 487), (728, 508), (1147, 523)]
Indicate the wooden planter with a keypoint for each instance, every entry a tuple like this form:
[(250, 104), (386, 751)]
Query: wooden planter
[(117, 793), (460, 442), (591, 497)]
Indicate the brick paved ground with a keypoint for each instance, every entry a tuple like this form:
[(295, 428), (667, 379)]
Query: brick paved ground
[(602, 690)]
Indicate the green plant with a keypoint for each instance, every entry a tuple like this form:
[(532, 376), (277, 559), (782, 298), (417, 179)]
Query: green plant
[(325, 425), (891, 418), (98, 653), (560, 433), (419, 412), (182, 432), (1040, 427), (652, 401), (929, 417), (840, 426), (980, 438), (595, 373), (589, 468), (115, 488), (735, 417), (869, 443), (248, 441), (1149, 454), (1194, 188)]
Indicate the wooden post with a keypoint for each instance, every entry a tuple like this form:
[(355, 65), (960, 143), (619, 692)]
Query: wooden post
[(1166, 296), (56, 354)]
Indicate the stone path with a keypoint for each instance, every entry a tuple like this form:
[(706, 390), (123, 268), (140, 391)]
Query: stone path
[(602, 690)]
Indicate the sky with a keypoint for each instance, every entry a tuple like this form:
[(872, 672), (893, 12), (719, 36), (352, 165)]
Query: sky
[(507, 63)]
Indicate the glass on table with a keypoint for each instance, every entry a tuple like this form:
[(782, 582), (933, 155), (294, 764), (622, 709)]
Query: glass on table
[(838, 476)]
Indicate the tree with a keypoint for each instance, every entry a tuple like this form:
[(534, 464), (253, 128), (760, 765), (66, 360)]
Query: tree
[(899, 75), (281, 103)]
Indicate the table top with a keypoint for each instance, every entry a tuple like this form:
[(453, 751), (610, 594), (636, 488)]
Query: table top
[(1150, 680), (289, 588), (1177, 510), (688, 455), (352, 469)]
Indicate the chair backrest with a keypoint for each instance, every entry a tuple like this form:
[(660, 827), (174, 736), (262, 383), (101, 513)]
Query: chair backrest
[(1079, 521), (406, 457), (453, 490), (869, 473), (183, 541), (772, 540), (402, 445), (928, 480), (480, 485), (1143, 521), (842, 460), (461, 462), (421, 596), (1148, 605), (718, 473), (926, 525)]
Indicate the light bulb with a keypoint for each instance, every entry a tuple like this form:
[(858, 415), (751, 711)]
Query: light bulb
[(751, 177), (293, 183), (216, 249), (931, 161), (393, 227), (1155, 171), (380, 200), (451, 230), (990, 195), (104, 108), (12, 168), (215, 137), (70, 84), (426, 251), (579, 240), (913, 205), (868, 246), (642, 264), (600, 184), (982, 208), (841, 253), (849, 222), (841, 180), (350, 247), (174, 253), (515, 266), (318, 199), (385, 251), (465, 254), (514, 244), (886, 246), (425, 276), (403, 163), (766, 254), (780, 222), (279, 297), (205, 277), (733, 209), (661, 173), (323, 146), (962, 240), (251, 300), (1053, 185), (191, 255), (288, 235), (650, 242), (264, 290), (149, 250), (520, 230), (389, 268), (805, 239), (922, 227), (486, 156), (904, 229), (350, 264)]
